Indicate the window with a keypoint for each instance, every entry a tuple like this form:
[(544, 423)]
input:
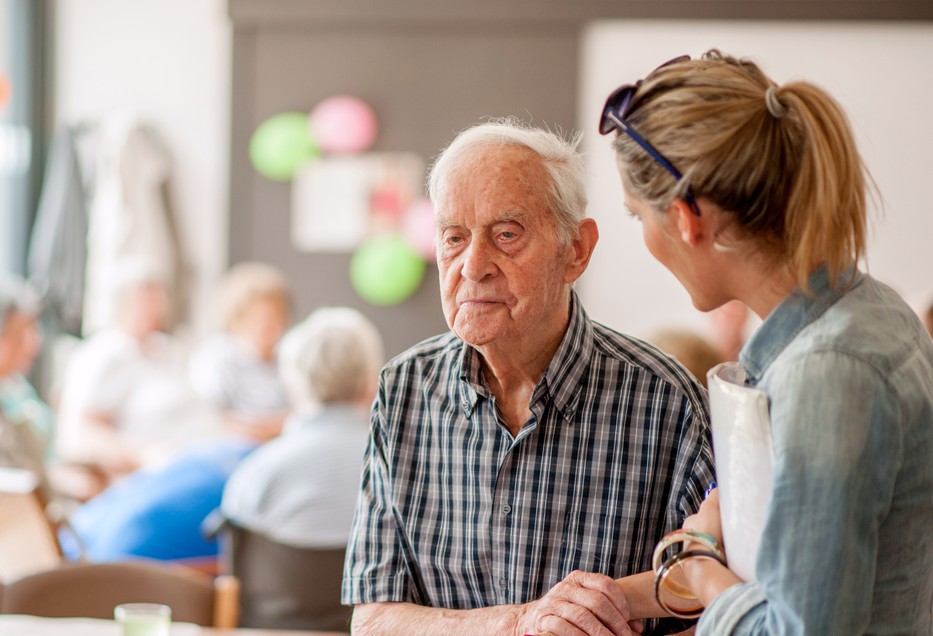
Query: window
[(21, 108)]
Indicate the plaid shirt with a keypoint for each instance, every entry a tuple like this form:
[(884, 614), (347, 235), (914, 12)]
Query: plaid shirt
[(454, 512)]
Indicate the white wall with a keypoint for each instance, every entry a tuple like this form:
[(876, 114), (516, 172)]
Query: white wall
[(167, 61), (879, 72)]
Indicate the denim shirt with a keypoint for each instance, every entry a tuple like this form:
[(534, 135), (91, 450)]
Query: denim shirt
[(847, 546)]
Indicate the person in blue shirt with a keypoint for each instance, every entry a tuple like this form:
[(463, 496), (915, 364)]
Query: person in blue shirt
[(755, 191)]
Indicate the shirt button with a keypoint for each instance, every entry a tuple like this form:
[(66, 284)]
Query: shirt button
[(506, 509), (504, 582)]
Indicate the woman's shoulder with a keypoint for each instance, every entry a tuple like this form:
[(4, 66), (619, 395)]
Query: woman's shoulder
[(870, 324)]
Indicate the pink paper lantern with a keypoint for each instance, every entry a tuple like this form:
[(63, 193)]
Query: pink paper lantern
[(343, 124), (419, 229)]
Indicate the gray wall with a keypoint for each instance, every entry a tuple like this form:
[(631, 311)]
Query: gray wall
[(429, 68)]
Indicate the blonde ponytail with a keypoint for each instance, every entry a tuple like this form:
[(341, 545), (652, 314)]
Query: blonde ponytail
[(781, 160), (826, 210)]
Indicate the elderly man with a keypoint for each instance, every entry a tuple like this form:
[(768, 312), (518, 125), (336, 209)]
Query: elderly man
[(520, 463)]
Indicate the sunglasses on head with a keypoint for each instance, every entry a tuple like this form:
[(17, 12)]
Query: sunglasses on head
[(614, 117)]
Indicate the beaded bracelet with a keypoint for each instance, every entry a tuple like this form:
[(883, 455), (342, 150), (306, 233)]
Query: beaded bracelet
[(662, 573)]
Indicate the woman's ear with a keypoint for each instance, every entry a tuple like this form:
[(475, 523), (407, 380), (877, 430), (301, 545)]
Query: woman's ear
[(689, 224)]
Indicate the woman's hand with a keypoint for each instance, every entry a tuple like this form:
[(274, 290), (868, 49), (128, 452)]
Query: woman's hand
[(707, 518), (707, 578)]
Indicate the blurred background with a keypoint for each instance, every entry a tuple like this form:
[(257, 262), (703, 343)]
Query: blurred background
[(201, 77), (182, 182)]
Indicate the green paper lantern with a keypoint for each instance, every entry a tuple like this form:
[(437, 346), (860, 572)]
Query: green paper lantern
[(386, 270), (281, 144)]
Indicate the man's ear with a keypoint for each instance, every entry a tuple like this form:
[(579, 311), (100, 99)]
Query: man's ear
[(582, 246), (689, 225)]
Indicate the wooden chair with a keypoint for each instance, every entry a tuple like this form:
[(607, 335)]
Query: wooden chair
[(28, 524), (91, 590), (28, 540)]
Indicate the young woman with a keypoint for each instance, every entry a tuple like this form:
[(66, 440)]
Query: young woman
[(753, 191)]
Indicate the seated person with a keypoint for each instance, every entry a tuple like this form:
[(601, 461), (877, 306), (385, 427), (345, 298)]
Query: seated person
[(157, 513), (20, 340), (236, 369), (30, 445), (124, 400), (291, 502), (28, 422), (521, 462)]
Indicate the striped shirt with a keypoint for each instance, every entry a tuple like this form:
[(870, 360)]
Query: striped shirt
[(228, 372), (456, 513)]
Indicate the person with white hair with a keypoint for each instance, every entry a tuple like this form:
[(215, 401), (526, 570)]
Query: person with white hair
[(521, 462), (300, 488)]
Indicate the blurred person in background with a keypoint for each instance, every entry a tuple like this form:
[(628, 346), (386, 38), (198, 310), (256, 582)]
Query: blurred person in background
[(289, 506), (236, 369), (20, 340), (301, 488), (692, 350), (125, 402), (26, 422), (729, 324)]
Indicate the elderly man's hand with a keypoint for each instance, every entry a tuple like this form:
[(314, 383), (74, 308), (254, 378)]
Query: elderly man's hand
[(583, 604)]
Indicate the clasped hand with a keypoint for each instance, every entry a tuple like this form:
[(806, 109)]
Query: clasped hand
[(583, 604)]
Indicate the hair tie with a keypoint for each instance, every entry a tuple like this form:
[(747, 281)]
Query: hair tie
[(775, 107)]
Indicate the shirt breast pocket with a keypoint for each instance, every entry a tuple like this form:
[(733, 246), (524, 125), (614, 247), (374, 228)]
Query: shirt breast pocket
[(588, 554)]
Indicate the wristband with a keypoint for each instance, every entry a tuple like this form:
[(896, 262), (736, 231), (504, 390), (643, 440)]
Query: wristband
[(661, 583), (708, 541)]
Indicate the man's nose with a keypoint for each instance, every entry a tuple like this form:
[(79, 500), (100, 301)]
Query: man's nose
[(479, 260)]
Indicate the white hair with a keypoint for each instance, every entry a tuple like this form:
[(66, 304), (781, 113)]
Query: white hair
[(566, 192), (16, 295), (333, 356)]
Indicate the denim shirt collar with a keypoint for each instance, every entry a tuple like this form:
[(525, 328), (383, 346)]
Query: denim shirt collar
[(790, 317)]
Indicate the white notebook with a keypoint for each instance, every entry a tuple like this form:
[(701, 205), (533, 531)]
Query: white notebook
[(744, 453)]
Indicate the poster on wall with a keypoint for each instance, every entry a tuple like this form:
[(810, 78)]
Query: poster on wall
[(339, 201)]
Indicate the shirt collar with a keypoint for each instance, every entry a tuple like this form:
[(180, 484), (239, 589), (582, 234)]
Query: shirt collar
[(562, 380), (338, 414), (790, 317)]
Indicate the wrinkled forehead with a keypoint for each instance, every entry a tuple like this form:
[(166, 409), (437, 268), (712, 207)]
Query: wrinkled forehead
[(496, 175)]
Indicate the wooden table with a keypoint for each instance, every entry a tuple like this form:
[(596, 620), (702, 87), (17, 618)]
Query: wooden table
[(16, 625), (262, 632)]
